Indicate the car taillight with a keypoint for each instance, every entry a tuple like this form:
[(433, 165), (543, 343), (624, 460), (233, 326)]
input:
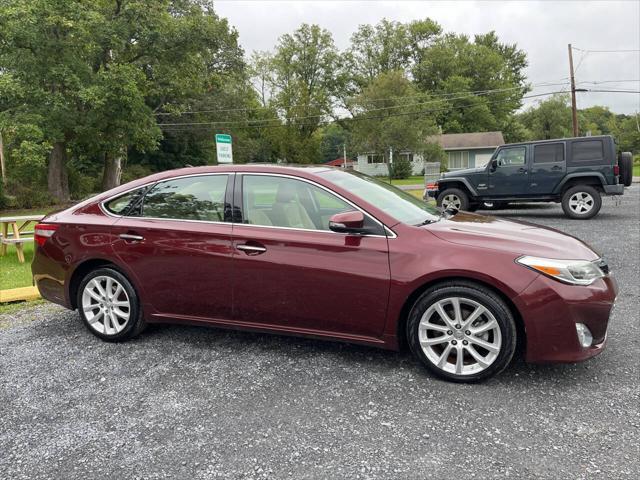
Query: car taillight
[(616, 170), (43, 231), (432, 186)]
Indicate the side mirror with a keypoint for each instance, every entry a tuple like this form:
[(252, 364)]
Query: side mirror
[(347, 222), (493, 165)]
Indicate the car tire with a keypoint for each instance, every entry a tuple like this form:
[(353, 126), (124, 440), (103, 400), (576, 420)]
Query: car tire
[(455, 197), (625, 162), (435, 353), (581, 202), (109, 305)]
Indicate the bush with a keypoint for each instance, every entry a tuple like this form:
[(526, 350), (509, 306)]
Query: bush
[(133, 172), (400, 168), (81, 186)]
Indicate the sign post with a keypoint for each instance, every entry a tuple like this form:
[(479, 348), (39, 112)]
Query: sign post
[(223, 148)]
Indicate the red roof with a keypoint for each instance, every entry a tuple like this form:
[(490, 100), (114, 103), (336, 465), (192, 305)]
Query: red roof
[(338, 162)]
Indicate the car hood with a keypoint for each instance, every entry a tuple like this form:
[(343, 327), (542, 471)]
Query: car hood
[(462, 172), (519, 238)]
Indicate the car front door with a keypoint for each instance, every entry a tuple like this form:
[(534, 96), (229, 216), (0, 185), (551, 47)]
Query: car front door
[(509, 172), (548, 167), (177, 242), (292, 273)]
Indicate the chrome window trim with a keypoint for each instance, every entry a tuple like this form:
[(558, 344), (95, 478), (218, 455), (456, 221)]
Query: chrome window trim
[(103, 208), (336, 194)]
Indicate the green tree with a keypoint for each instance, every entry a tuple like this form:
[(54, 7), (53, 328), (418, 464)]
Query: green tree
[(385, 118), (550, 118), (95, 72)]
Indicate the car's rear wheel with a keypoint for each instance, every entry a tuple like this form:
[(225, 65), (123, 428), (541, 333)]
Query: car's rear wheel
[(462, 332), (109, 306), (453, 197), (581, 202)]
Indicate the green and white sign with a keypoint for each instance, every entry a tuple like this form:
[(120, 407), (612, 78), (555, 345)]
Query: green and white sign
[(223, 148)]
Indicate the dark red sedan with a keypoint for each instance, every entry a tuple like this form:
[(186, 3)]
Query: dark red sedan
[(325, 253)]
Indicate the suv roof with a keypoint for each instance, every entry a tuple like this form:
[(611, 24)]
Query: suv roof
[(555, 140)]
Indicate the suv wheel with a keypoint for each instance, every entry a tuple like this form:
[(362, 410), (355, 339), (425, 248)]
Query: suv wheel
[(581, 202), (109, 306), (453, 197), (462, 332)]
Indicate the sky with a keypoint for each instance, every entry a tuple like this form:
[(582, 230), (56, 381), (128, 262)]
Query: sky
[(542, 29)]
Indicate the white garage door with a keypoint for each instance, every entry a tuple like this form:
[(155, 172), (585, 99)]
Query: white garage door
[(482, 159)]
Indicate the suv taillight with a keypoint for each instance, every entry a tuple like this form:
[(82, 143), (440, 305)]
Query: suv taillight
[(616, 170), (43, 231)]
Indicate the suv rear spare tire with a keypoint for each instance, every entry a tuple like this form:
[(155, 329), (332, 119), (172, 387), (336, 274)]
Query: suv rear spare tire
[(453, 197), (581, 202), (625, 162)]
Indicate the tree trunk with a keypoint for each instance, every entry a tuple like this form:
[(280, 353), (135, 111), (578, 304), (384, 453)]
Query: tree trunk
[(57, 178), (2, 167), (112, 171)]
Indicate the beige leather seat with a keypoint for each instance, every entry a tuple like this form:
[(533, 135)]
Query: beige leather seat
[(255, 216), (287, 210)]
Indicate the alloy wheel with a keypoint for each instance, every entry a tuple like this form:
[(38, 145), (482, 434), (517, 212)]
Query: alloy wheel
[(459, 336), (581, 203), (106, 305), (451, 200)]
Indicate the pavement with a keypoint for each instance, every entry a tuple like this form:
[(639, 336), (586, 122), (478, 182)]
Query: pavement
[(189, 402)]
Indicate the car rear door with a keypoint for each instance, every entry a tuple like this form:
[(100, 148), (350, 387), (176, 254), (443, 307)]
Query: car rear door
[(548, 167), (292, 273), (177, 243), (509, 176)]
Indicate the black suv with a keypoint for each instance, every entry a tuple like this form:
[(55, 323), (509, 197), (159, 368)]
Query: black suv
[(574, 171)]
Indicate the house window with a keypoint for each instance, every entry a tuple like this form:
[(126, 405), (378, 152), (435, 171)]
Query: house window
[(458, 160), (406, 156), (375, 158)]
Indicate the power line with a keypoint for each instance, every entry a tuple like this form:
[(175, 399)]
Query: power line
[(437, 95), (614, 91), (207, 125), (607, 51)]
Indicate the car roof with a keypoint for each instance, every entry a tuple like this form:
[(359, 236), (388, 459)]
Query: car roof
[(556, 140)]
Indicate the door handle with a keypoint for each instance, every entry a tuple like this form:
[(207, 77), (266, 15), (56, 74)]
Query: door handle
[(522, 170), (556, 168), (130, 237), (251, 249)]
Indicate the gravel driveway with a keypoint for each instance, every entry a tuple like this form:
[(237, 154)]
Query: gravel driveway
[(187, 402)]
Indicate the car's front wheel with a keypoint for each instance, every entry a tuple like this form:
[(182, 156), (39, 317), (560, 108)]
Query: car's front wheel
[(109, 306), (462, 331), (453, 197)]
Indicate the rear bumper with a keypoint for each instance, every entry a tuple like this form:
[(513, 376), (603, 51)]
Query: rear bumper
[(49, 276), (613, 189), (550, 311)]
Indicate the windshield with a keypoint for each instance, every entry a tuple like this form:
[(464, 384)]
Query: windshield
[(400, 205)]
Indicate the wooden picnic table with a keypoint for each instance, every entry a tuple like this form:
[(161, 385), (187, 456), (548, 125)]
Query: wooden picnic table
[(16, 232)]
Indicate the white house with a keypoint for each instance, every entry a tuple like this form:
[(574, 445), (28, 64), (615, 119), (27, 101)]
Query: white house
[(463, 150)]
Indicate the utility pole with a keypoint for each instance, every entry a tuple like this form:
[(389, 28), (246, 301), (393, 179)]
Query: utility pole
[(390, 165), (574, 111), (344, 155), (2, 167)]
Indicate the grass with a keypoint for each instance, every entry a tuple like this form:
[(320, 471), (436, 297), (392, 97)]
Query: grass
[(416, 193), (636, 170)]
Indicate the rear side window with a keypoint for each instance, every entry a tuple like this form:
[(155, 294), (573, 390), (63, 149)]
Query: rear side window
[(190, 198), (587, 151), (123, 204), (548, 153)]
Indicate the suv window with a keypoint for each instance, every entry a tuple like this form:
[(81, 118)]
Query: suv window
[(511, 156), (121, 205), (287, 202), (188, 198), (587, 151), (548, 153)]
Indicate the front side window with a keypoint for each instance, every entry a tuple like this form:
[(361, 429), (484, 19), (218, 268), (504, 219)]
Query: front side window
[(189, 198), (511, 156), (287, 202), (400, 205), (552, 153)]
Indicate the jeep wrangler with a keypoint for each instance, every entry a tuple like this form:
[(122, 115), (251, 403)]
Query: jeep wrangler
[(576, 172)]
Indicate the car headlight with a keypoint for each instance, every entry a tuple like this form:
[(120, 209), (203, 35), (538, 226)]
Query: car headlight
[(575, 272)]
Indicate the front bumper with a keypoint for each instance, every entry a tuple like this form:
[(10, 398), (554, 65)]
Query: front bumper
[(613, 189), (550, 310)]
